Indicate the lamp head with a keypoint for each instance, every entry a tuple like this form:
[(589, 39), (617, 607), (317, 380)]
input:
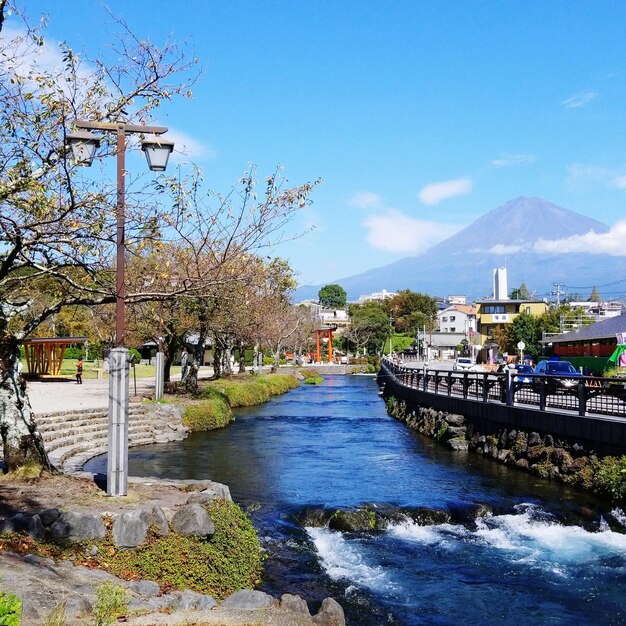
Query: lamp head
[(157, 150), (83, 145)]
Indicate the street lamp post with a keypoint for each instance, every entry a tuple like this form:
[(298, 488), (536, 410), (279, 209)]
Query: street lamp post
[(390, 335), (157, 149)]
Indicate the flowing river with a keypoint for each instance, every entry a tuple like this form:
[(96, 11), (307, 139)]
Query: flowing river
[(547, 555)]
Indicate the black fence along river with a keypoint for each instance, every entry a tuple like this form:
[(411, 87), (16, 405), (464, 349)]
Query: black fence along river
[(536, 559)]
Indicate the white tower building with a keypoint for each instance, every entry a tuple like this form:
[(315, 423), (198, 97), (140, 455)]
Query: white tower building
[(500, 287)]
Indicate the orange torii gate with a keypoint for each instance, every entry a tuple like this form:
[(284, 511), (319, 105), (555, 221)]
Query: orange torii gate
[(44, 355), (318, 334)]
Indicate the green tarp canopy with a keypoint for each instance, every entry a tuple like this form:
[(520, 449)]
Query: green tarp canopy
[(614, 358)]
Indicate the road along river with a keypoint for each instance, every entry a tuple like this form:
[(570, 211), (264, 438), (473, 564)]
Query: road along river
[(547, 555)]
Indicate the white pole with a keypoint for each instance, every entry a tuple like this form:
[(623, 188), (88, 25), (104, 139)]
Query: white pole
[(117, 461), (159, 382)]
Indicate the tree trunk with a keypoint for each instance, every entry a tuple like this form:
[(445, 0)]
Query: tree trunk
[(20, 438), (191, 380), (228, 361), (255, 358), (242, 359), (217, 359)]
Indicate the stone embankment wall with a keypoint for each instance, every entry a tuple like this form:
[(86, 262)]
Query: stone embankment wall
[(541, 454)]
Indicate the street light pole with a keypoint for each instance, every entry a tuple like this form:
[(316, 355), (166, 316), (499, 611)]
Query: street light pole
[(83, 145), (120, 289)]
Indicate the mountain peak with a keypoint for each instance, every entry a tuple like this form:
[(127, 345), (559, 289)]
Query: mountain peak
[(519, 221), (464, 262)]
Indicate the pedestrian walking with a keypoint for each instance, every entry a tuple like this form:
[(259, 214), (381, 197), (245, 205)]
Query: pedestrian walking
[(79, 371)]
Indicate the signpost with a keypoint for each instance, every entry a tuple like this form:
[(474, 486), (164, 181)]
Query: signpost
[(520, 346)]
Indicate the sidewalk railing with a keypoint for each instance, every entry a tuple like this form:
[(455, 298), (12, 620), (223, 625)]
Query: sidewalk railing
[(582, 395)]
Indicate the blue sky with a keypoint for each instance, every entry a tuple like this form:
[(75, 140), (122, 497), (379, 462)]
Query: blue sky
[(419, 116)]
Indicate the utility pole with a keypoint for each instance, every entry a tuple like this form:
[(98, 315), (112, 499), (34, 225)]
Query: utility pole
[(557, 292)]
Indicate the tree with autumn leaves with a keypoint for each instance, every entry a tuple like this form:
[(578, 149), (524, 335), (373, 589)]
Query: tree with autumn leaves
[(57, 224)]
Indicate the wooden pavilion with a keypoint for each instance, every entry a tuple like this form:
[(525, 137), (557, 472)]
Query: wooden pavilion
[(44, 355)]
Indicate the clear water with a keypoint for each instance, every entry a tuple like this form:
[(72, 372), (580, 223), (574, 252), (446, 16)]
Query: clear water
[(546, 556)]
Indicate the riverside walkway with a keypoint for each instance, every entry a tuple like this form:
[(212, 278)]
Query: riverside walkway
[(56, 396)]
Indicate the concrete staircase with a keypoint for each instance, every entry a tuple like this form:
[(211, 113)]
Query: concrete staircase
[(71, 439)]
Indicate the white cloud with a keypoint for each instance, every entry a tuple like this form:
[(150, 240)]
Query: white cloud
[(503, 249), (619, 182), (365, 200), (393, 231), (579, 100), (511, 160), (590, 172), (436, 192), (186, 147), (612, 242)]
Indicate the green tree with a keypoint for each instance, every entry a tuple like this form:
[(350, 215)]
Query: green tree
[(332, 297), (520, 293), (595, 295), (527, 328), (369, 325), (412, 310)]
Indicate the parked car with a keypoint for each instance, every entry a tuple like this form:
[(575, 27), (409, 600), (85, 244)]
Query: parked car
[(463, 363), (523, 373), (565, 374)]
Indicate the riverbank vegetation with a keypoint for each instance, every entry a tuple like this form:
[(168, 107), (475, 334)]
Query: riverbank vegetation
[(212, 407), (232, 559)]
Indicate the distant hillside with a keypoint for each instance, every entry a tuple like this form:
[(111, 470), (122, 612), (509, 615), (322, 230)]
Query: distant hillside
[(463, 263)]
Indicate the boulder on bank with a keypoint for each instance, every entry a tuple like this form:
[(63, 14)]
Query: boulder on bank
[(192, 519), (131, 529), (24, 523), (76, 527)]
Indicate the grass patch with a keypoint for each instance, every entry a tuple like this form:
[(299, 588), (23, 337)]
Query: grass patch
[(210, 413), (314, 380), (250, 390), (229, 561)]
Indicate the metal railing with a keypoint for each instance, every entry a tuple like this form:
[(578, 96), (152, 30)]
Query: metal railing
[(582, 395)]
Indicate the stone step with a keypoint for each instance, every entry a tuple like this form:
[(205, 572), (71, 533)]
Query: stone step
[(61, 439), (61, 456), (74, 462), (43, 421), (88, 420)]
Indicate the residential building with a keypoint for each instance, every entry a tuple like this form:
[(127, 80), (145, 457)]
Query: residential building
[(378, 295), (589, 346), (456, 300), (501, 310), (327, 317), (458, 318)]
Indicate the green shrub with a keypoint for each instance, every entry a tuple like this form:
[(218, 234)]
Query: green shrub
[(314, 380), (251, 390), (610, 478), (366, 369), (111, 603), (208, 414), (440, 434), (229, 561), (374, 361), (10, 609)]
